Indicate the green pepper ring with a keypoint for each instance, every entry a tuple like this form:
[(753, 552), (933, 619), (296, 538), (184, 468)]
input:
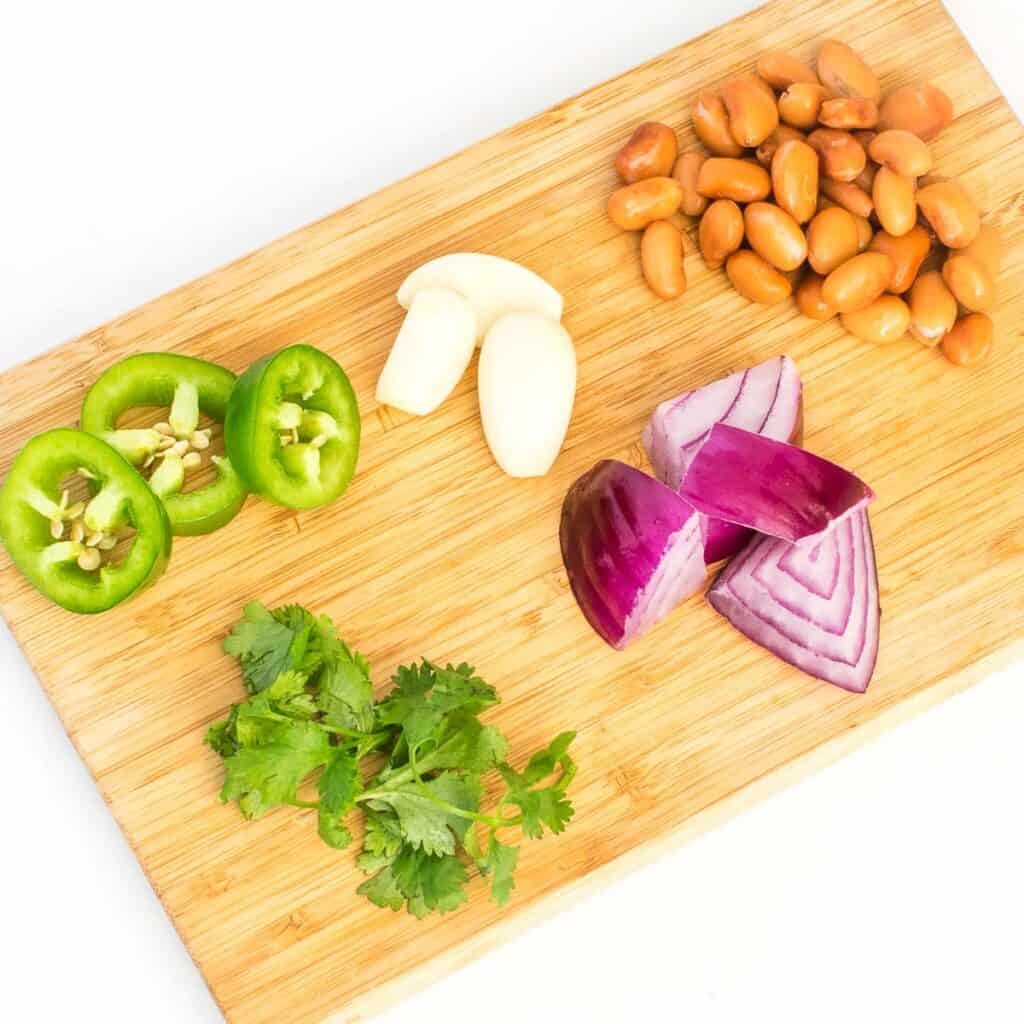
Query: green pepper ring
[(150, 379), (309, 382), (37, 473)]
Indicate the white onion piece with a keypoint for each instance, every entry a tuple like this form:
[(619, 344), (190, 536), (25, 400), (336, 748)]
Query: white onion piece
[(813, 604), (527, 384), (493, 286), (430, 354)]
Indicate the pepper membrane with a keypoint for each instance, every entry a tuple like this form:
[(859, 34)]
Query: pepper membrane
[(292, 428), (69, 552)]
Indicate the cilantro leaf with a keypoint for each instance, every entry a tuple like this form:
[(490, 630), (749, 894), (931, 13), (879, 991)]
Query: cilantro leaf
[(427, 811), (383, 890), (269, 643), (424, 695), (430, 883), (271, 774), (501, 863), (340, 784), (332, 831), (547, 807), (346, 693)]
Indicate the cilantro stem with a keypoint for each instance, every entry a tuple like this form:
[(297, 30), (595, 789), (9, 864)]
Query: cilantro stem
[(306, 805)]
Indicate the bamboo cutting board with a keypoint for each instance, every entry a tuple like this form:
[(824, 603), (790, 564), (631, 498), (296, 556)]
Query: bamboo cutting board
[(433, 551)]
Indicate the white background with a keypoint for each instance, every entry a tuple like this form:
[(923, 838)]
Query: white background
[(145, 145)]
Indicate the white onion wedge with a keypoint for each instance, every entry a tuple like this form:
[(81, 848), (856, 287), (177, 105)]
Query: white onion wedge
[(527, 384), (430, 354), (493, 286)]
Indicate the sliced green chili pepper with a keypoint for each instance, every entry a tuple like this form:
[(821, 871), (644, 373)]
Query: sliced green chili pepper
[(292, 428), (71, 551), (188, 386)]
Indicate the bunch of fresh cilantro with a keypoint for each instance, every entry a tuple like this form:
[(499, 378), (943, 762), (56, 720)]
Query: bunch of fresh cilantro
[(311, 720)]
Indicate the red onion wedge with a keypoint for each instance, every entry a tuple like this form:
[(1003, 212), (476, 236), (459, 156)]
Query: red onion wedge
[(632, 548), (814, 604), (770, 487), (765, 399)]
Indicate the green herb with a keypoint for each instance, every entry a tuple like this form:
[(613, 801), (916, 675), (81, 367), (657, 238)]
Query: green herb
[(303, 737)]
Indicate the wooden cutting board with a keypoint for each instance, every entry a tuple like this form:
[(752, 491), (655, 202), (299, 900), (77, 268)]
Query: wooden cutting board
[(433, 551)]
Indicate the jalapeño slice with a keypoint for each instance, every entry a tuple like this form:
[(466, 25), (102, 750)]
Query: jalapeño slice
[(88, 555), (170, 450), (292, 428)]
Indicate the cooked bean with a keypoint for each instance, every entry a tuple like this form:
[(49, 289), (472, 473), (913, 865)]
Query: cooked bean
[(849, 113), (726, 178), (951, 212), (970, 283), (753, 114), (795, 179), (633, 207), (756, 279), (842, 156), (809, 299), (932, 309), (970, 340), (857, 282), (848, 196), (907, 253), (843, 71), (780, 70), (775, 235), (986, 249), (923, 109), (884, 320), (721, 231), (711, 123), (902, 151), (766, 151), (895, 201), (800, 103), (832, 239), (650, 153), (865, 232), (661, 258), (685, 172)]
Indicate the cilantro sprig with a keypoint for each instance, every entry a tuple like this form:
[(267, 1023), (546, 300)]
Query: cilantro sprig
[(414, 763)]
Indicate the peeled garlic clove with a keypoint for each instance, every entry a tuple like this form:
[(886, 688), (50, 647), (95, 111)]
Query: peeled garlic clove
[(527, 384), (430, 354), (493, 286)]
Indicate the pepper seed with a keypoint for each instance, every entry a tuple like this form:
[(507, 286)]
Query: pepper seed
[(165, 444), (93, 539), (163, 428), (90, 560), (192, 460), (200, 440), (108, 543), (78, 531), (150, 459), (56, 528), (179, 448)]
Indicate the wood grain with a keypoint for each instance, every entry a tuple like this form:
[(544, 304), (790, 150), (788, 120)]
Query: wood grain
[(433, 551)]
